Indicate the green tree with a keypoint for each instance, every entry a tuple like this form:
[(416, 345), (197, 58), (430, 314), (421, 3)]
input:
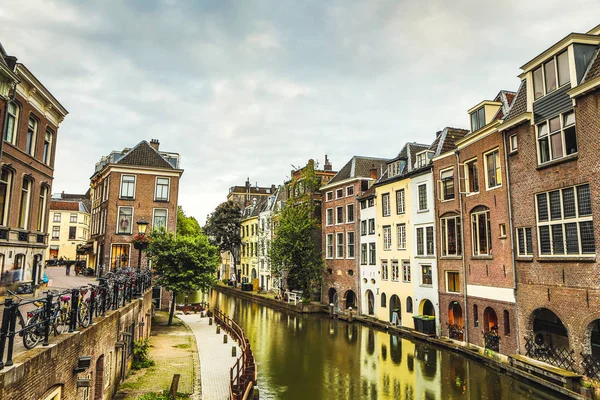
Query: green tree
[(296, 248), (187, 226), (223, 228), (182, 263)]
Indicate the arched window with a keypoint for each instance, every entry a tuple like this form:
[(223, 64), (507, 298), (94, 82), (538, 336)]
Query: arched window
[(25, 202), (383, 300), (6, 179), (409, 304), (47, 146), (41, 215), (12, 121), (475, 316), (506, 322)]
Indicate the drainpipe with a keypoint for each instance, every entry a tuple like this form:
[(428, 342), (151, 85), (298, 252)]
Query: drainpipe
[(462, 242), (512, 244)]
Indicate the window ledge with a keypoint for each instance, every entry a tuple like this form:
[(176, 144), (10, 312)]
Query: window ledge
[(423, 211), (512, 153), (524, 258), (127, 198), (426, 286), (161, 200), (426, 256), (552, 163), (489, 189), (471, 193), (482, 257), (591, 258), (450, 258)]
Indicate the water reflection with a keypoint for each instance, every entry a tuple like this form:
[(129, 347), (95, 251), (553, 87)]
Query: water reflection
[(314, 357)]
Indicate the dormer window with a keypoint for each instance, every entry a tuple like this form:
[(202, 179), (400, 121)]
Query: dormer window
[(423, 159), (551, 75), (478, 119), (394, 168)]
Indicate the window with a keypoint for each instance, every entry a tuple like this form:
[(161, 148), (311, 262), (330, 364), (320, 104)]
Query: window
[(447, 184), (119, 256), (162, 189), (127, 186), (73, 218), (493, 176), (363, 254), (565, 225), (405, 271), (12, 119), (423, 159), (383, 300), (329, 196), (349, 190), (363, 204), (478, 119), (371, 202), (159, 219), (72, 232), (401, 236), (32, 126), (371, 226), (524, 242), (124, 224), (471, 176), (384, 270), (340, 245), (6, 178), (425, 245), (551, 75), (55, 232), (363, 227), (506, 323), (423, 197), (426, 278), (502, 230), (24, 206), (451, 236), (475, 316), (420, 242), (350, 244), (329, 216), (372, 254), (557, 138), (340, 215), (452, 282), (513, 144), (47, 146), (409, 304), (385, 204), (387, 237), (394, 169), (339, 193), (481, 232), (349, 213), (41, 220), (400, 202), (395, 271)]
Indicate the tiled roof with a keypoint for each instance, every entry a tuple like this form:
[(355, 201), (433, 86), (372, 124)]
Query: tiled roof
[(65, 205), (367, 193), (594, 68), (446, 140), (519, 103), (144, 155), (358, 167)]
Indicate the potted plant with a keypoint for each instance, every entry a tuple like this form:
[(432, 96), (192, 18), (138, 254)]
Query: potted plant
[(140, 241)]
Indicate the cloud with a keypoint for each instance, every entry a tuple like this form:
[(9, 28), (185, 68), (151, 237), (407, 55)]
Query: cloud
[(245, 89)]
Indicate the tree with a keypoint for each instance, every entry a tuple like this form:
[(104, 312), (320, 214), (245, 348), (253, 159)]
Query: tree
[(296, 248), (223, 228), (182, 263), (187, 226)]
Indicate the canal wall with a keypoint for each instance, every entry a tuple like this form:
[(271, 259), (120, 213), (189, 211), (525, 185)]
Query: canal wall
[(496, 361), (48, 372)]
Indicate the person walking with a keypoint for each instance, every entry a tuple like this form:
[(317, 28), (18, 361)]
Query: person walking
[(68, 269)]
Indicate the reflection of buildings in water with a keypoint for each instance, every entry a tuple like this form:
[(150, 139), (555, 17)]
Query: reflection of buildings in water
[(396, 378), (427, 372)]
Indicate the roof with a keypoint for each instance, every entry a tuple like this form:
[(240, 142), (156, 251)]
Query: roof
[(144, 155), (255, 208), (65, 205), (593, 70), (358, 167), (519, 103), (370, 192), (446, 140)]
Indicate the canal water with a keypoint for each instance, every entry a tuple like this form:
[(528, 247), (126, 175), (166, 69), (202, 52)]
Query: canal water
[(313, 357)]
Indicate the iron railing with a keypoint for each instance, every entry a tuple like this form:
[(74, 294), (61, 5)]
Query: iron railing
[(58, 311), (243, 374), (491, 340), (455, 332), (591, 366), (558, 356)]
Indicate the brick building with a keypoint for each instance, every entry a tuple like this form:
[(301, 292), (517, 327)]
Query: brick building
[(551, 136), (29, 120), (243, 195), (129, 186), (476, 276), (69, 226), (341, 230)]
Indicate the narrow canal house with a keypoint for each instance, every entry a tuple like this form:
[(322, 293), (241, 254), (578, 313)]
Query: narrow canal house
[(29, 119), (476, 275), (249, 233), (267, 220), (341, 230), (551, 134), (369, 272)]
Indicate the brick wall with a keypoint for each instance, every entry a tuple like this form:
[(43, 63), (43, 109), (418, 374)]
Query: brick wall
[(38, 372)]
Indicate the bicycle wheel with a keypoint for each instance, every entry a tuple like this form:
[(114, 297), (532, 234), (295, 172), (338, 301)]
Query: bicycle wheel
[(30, 335), (83, 315), (60, 324)]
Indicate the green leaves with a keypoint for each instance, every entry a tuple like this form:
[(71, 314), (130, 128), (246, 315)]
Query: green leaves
[(223, 227)]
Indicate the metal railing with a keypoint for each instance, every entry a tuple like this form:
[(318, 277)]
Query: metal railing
[(243, 374), (60, 311)]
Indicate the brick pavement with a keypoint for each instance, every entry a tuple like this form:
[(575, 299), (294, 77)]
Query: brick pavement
[(215, 357)]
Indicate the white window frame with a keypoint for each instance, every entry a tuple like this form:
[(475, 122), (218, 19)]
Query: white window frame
[(15, 127), (329, 196), (443, 182), (543, 69), (338, 220), (36, 125), (363, 227), (349, 191), (54, 219), (154, 210), (387, 237), (475, 233), (121, 187), (423, 274), (329, 213), (130, 225), (348, 206), (419, 198), (156, 198), (47, 150), (444, 236), (406, 272), (468, 187), (498, 167), (561, 132), (329, 246), (384, 270), (350, 245), (364, 253), (339, 245), (401, 236), (385, 206), (425, 250), (513, 145), (371, 226), (372, 253), (55, 229), (521, 232), (395, 271), (339, 193), (72, 217), (400, 205), (448, 280), (26, 206)]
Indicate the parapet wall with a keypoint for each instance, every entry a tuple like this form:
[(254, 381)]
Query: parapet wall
[(45, 372)]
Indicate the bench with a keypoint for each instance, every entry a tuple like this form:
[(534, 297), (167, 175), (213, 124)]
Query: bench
[(567, 379), (294, 295)]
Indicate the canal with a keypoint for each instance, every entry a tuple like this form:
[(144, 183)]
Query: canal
[(314, 357)]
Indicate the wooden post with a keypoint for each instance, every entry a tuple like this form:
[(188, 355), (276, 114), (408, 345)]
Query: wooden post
[(225, 338), (218, 329), (174, 387)]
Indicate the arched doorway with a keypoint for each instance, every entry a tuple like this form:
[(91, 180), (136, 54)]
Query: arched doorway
[(490, 320), (455, 321), (427, 308), (593, 334), (370, 299), (253, 275), (548, 329), (350, 299), (331, 295), (395, 311), (99, 372)]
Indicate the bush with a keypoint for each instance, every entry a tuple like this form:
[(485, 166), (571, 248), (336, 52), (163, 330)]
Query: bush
[(164, 395), (140, 354)]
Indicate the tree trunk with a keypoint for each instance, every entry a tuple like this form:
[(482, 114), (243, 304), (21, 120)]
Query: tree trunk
[(172, 310)]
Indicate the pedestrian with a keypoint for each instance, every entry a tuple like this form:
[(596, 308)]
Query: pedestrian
[(68, 269)]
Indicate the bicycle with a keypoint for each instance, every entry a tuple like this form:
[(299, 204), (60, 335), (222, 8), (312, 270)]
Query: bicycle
[(30, 328)]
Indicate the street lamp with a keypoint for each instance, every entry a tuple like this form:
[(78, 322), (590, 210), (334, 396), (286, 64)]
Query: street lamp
[(142, 226)]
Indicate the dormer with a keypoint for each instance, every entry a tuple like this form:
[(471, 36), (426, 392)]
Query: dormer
[(483, 113), (395, 167), (423, 158)]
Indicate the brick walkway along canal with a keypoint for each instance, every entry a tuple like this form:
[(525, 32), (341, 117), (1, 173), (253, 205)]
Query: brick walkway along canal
[(314, 357)]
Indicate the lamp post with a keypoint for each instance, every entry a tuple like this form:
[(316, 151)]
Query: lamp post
[(142, 225)]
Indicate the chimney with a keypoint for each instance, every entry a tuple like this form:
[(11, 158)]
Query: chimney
[(273, 188), (327, 166), (155, 144), (373, 173), (248, 184)]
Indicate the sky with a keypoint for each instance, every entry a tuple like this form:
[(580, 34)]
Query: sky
[(250, 88)]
